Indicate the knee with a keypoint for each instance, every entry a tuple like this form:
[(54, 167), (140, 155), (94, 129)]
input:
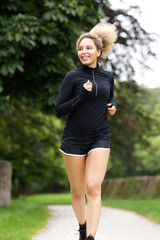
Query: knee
[(77, 194), (93, 190)]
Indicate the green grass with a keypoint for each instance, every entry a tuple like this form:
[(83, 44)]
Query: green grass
[(27, 215), (149, 208), (59, 198), (22, 219)]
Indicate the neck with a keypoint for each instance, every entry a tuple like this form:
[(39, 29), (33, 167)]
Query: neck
[(92, 66), (90, 69)]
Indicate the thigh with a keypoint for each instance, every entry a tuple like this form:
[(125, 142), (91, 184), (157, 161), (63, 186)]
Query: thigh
[(75, 167), (96, 166)]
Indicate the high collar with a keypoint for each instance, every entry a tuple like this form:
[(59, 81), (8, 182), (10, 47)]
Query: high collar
[(87, 69)]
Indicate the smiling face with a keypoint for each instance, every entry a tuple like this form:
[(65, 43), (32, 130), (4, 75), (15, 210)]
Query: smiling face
[(88, 53)]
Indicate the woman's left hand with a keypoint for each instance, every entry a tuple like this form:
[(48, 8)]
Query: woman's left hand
[(112, 110)]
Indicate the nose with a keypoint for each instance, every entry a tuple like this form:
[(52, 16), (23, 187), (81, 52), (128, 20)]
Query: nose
[(84, 50)]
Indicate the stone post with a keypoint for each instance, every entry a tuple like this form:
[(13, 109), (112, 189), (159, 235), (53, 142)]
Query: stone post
[(5, 183)]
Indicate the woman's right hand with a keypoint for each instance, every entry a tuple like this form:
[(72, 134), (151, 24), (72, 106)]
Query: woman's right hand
[(88, 86)]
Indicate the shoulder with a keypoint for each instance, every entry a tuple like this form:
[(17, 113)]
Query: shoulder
[(107, 74), (70, 76), (72, 73)]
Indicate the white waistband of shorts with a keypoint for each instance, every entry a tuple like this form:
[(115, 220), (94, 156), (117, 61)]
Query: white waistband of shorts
[(69, 154)]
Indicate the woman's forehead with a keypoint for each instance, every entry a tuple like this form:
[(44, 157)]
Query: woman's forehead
[(86, 41)]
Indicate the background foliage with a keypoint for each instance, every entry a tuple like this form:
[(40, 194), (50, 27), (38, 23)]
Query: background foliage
[(135, 129), (30, 140), (37, 48)]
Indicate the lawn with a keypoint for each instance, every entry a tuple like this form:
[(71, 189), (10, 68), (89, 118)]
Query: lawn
[(149, 208), (27, 215), (22, 219)]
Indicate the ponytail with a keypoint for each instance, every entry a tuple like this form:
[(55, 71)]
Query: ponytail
[(108, 33)]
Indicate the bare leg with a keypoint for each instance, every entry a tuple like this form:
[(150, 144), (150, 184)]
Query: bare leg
[(75, 167), (96, 165)]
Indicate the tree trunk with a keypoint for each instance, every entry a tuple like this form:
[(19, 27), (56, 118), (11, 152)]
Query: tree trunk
[(5, 183)]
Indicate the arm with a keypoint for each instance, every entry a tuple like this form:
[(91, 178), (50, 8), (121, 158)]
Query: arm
[(112, 107), (65, 102), (111, 98)]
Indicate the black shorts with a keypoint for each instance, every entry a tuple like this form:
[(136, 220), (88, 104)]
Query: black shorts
[(75, 146)]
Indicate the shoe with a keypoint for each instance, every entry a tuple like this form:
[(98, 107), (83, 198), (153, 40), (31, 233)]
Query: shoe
[(90, 237), (82, 235)]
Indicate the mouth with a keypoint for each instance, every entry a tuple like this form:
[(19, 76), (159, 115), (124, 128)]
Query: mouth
[(85, 57)]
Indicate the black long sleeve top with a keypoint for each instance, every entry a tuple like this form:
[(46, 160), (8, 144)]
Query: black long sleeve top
[(87, 110)]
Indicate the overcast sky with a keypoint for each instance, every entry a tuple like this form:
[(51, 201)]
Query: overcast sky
[(150, 21)]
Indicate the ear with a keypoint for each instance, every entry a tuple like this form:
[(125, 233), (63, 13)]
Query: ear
[(98, 53)]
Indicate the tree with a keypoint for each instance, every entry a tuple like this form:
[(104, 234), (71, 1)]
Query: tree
[(134, 42), (132, 128), (38, 46), (30, 141), (150, 155), (135, 131)]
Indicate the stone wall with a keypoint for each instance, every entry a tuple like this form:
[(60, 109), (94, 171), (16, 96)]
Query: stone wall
[(5, 183), (144, 186)]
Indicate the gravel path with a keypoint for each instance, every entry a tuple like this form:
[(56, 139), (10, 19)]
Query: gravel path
[(115, 224)]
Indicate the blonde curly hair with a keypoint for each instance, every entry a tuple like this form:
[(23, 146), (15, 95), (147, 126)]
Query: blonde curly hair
[(104, 36)]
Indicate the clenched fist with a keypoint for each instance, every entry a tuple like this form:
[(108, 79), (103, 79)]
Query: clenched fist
[(88, 86), (111, 109)]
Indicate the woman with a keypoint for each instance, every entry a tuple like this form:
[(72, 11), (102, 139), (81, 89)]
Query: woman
[(86, 95)]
